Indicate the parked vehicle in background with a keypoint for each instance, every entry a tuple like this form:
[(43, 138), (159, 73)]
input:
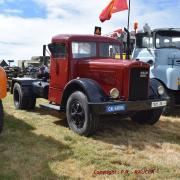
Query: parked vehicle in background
[(3, 92), (87, 81), (161, 49)]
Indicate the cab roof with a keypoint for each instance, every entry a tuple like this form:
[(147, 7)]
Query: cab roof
[(166, 29), (78, 37), (159, 29)]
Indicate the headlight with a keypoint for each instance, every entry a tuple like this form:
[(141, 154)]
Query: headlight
[(114, 93), (161, 90)]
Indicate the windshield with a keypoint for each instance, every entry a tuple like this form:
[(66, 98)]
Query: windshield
[(83, 50), (109, 50), (144, 41), (168, 39)]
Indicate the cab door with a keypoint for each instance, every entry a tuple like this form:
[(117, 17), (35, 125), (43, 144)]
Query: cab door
[(58, 71)]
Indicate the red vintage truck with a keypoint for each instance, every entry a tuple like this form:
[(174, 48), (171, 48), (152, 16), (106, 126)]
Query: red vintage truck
[(87, 80)]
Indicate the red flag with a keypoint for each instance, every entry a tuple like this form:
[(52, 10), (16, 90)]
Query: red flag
[(113, 7)]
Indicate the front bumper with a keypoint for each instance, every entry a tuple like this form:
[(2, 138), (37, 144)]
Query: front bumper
[(125, 107)]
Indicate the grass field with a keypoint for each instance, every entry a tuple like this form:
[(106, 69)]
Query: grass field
[(39, 145)]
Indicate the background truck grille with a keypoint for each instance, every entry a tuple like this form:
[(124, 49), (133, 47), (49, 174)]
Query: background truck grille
[(139, 84)]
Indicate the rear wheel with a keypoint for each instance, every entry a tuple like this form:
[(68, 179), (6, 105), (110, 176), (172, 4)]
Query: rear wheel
[(1, 116), (79, 117), (21, 101), (31, 103), (147, 117)]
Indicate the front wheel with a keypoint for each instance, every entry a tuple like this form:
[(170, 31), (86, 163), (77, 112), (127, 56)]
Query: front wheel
[(79, 117), (1, 116), (147, 117)]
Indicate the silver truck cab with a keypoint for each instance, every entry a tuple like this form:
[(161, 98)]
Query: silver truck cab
[(161, 49)]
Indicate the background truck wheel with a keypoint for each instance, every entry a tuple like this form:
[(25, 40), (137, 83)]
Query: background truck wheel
[(20, 101), (1, 117), (147, 117), (79, 117)]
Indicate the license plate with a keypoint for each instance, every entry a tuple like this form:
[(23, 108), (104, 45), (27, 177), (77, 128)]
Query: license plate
[(115, 108), (158, 104)]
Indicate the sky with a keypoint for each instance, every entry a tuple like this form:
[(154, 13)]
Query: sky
[(25, 25)]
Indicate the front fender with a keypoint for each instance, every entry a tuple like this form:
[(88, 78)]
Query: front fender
[(89, 87), (153, 91), (168, 75)]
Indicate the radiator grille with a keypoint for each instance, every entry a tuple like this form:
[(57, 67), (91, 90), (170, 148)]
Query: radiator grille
[(139, 84)]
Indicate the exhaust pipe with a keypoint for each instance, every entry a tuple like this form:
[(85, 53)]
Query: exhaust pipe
[(44, 55)]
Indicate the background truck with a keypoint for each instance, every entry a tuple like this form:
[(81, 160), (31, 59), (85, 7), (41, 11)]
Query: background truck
[(87, 81), (161, 49), (3, 92)]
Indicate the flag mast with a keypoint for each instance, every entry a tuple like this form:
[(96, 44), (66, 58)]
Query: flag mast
[(128, 33), (129, 10)]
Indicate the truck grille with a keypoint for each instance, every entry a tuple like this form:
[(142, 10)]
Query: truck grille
[(139, 84)]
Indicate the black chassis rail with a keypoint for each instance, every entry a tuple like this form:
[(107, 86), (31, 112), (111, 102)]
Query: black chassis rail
[(124, 107)]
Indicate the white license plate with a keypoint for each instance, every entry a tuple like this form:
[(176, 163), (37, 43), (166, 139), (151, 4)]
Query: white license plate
[(158, 104)]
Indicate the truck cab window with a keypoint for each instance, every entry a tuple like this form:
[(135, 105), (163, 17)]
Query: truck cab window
[(144, 41), (108, 50), (83, 50), (168, 39), (147, 42), (58, 50)]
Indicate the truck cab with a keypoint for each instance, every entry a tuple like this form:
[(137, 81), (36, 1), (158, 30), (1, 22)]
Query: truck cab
[(88, 79), (161, 49)]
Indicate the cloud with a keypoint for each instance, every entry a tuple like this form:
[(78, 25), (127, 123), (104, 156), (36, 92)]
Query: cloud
[(21, 38), (12, 11)]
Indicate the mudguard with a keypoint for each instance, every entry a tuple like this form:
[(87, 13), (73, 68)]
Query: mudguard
[(153, 93), (26, 85), (89, 87)]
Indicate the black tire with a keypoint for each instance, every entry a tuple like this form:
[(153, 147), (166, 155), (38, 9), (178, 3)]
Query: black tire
[(31, 103), (20, 101), (1, 116), (147, 117), (79, 117)]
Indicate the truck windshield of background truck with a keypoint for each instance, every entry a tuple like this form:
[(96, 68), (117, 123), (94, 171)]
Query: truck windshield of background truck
[(109, 50), (83, 50), (144, 42), (168, 39)]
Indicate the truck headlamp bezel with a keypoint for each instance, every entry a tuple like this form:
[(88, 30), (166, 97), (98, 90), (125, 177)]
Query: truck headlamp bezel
[(114, 93), (161, 90)]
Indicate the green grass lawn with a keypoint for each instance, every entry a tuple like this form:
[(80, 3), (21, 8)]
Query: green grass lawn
[(39, 145)]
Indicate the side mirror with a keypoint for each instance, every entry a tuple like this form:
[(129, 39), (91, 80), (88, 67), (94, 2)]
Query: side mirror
[(44, 50), (51, 48)]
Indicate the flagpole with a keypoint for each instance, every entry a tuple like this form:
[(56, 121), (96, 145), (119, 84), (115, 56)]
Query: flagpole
[(128, 33), (129, 10)]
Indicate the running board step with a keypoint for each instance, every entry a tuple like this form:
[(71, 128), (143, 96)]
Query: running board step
[(50, 107)]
